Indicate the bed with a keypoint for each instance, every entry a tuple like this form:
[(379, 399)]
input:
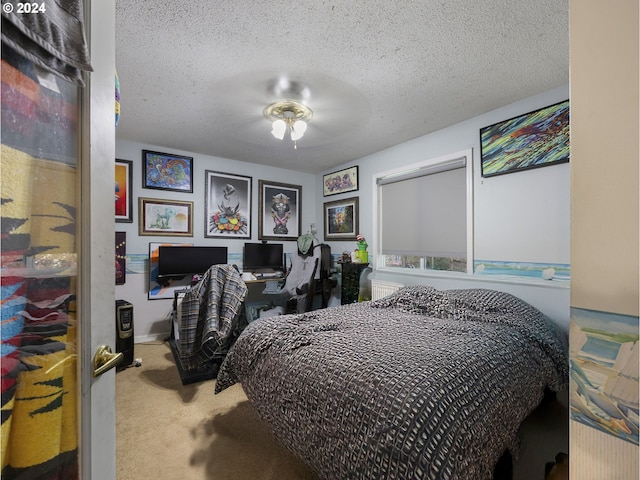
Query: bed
[(423, 383)]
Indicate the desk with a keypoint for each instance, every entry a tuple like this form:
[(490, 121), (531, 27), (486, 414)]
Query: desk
[(256, 300)]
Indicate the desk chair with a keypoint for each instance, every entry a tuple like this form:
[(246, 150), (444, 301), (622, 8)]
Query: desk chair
[(300, 283)]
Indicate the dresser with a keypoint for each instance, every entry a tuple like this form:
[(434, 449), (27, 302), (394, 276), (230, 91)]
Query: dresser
[(351, 282)]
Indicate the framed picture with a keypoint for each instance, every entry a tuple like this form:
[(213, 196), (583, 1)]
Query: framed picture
[(124, 191), (227, 205), (535, 139), (280, 207), (121, 257), (165, 171), (341, 219), (341, 181), (165, 217)]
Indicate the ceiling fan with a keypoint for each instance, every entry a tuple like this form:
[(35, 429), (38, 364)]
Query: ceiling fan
[(329, 108)]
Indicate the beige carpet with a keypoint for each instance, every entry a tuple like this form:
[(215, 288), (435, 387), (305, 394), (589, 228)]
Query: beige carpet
[(169, 431)]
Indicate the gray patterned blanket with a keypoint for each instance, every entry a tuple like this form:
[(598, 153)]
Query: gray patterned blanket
[(422, 384)]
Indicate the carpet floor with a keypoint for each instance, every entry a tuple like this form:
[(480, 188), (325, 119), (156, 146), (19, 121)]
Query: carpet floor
[(169, 431)]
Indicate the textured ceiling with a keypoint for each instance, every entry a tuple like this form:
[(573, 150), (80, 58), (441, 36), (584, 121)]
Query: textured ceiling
[(197, 75)]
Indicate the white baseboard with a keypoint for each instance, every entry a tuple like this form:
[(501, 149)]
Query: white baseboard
[(158, 337)]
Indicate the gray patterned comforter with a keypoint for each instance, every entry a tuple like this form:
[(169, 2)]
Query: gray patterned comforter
[(422, 384)]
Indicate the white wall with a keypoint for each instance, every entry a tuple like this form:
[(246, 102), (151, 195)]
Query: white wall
[(152, 317), (518, 217)]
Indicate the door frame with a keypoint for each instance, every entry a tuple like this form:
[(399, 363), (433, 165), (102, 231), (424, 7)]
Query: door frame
[(97, 244)]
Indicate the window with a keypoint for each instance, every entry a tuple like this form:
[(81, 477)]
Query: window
[(424, 217)]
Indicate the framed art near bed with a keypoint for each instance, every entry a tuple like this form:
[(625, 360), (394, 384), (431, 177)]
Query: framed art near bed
[(341, 181), (535, 139), (124, 191), (227, 205), (165, 217), (341, 219), (166, 171), (280, 216)]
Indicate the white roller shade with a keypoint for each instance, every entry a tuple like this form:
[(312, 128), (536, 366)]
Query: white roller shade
[(424, 213)]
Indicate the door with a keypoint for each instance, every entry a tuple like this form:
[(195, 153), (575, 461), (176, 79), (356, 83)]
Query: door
[(58, 151), (98, 244)]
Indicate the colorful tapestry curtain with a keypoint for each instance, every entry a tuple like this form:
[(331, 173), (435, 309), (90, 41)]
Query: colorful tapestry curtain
[(38, 266)]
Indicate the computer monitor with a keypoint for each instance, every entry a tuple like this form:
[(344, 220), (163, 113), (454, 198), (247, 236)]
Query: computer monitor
[(263, 257), (186, 260)]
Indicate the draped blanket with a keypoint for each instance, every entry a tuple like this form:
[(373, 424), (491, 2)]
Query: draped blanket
[(210, 311), (420, 384)]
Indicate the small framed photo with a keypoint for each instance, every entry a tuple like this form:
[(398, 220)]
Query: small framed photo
[(341, 181), (124, 191), (227, 205), (532, 140), (280, 216), (165, 217), (341, 219), (165, 171)]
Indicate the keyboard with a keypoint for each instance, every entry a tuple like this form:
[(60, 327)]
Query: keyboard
[(269, 274)]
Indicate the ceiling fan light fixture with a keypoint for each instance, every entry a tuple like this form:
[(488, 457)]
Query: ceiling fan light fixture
[(278, 129), (300, 125), (297, 129), (288, 115)]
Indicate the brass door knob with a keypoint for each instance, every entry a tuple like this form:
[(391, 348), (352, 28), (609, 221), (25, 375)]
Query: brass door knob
[(105, 360)]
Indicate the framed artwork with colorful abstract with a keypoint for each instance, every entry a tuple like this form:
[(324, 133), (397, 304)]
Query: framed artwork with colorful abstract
[(227, 205), (166, 171), (341, 181), (532, 140), (124, 191)]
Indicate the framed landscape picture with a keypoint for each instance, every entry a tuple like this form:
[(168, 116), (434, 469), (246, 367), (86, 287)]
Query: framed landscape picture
[(165, 171), (341, 219), (227, 205), (165, 217), (535, 139), (280, 216)]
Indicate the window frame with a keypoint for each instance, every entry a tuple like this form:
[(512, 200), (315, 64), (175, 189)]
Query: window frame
[(378, 258)]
